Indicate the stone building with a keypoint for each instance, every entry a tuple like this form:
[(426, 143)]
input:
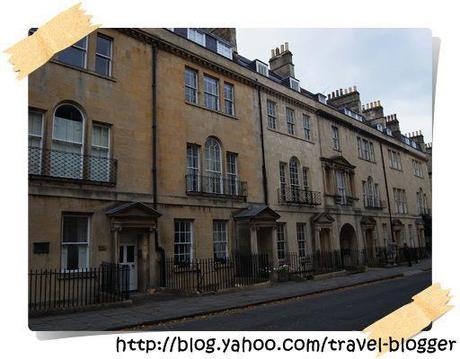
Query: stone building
[(150, 144)]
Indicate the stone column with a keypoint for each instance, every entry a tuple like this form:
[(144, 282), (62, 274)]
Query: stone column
[(316, 240), (274, 246), (152, 270), (253, 230), (116, 243)]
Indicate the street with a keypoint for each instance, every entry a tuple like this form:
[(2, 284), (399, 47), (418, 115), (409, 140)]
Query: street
[(347, 309)]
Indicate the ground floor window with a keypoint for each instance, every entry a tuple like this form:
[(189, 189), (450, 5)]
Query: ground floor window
[(281, 240), (75, 238), (301, 238), (220, 239), (182, 241)]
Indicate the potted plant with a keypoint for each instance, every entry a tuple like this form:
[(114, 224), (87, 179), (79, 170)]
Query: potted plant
[(281, 273)]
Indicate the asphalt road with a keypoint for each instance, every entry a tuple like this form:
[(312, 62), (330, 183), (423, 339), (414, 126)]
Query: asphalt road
[(347, 309)]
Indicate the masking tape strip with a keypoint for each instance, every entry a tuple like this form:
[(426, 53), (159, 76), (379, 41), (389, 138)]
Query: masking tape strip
[(57, 34), (407, 321)]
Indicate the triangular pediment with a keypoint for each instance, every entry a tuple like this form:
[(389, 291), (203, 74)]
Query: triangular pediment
[(132, 209), (257, 212), (323, 218), (338, 161)]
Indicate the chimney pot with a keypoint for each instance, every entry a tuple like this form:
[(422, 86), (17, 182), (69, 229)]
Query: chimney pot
[(277, 51), (341, 92), (286, 46), (282, 48), (354, 88), (273, 52), (350, 90)]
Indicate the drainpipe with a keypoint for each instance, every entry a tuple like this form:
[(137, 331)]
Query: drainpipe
[(158, 248), (264, 168), (387, 192)]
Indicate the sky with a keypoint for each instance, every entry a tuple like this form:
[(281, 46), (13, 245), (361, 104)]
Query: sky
[(390, 65)]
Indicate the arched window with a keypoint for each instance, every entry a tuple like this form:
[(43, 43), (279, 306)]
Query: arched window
[(213, 159), (67, 145), (294, 178)]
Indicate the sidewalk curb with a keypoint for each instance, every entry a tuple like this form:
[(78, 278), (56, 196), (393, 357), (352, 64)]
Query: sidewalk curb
[(260, 302)]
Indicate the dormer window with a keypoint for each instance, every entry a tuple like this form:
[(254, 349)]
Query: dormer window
[(224, 50), (379, 127), (262, 68), (294, 84), (196, 36)]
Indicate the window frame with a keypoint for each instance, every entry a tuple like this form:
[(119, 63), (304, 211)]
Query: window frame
[(190, 243), (195, 185), (87, 243), (228, 100), (35, 137), (260, 64), (229, 54), (335, 138), (272, 117), (85, 51), (220, 241), (194, 39), (110, 58), (294, 84), (301, 239), (281, 228), (290, 121), (206, 93), (187, 86), (306, 126), (81, 144), (108, 148)]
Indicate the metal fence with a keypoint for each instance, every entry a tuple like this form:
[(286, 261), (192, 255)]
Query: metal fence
[(54, 289), (72, 166), (213, 274), (298, 195), (230, 185)]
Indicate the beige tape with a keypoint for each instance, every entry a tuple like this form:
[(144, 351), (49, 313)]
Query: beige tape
[(57, 34), (407, 321)]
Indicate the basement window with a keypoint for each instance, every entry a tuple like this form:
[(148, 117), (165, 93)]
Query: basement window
[(262, 68), (294, 84)]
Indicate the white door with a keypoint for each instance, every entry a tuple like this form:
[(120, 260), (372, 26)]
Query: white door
[(128, 258)]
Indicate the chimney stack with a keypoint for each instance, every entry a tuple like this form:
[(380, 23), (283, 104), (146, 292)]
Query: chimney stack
[(348, 97), (281, 61), (373, 111), (417, 137)]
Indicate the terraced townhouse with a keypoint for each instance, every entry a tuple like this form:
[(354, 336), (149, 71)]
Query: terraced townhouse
[(151, 148)]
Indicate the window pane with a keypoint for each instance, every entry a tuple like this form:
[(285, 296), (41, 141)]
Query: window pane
[(104, 46), (75, 229), (73, 56), (102, 66), (35, 123), (100, 136)]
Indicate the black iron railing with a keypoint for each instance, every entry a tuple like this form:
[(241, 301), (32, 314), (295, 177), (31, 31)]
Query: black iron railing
[(373, 202), (375, 256), (54, 289), (297, 195), (213, 274), (230, 186), (71, 166), (313, 264)]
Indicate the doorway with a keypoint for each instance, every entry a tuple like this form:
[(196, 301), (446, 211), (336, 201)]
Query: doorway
[(128, 259)]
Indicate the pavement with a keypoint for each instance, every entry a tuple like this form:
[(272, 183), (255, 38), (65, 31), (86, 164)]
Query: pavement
[(150, 312)]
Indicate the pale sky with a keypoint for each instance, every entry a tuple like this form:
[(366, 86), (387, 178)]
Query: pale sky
[(390, 65)]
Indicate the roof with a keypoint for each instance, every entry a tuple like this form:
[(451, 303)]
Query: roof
[(255, 211)]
